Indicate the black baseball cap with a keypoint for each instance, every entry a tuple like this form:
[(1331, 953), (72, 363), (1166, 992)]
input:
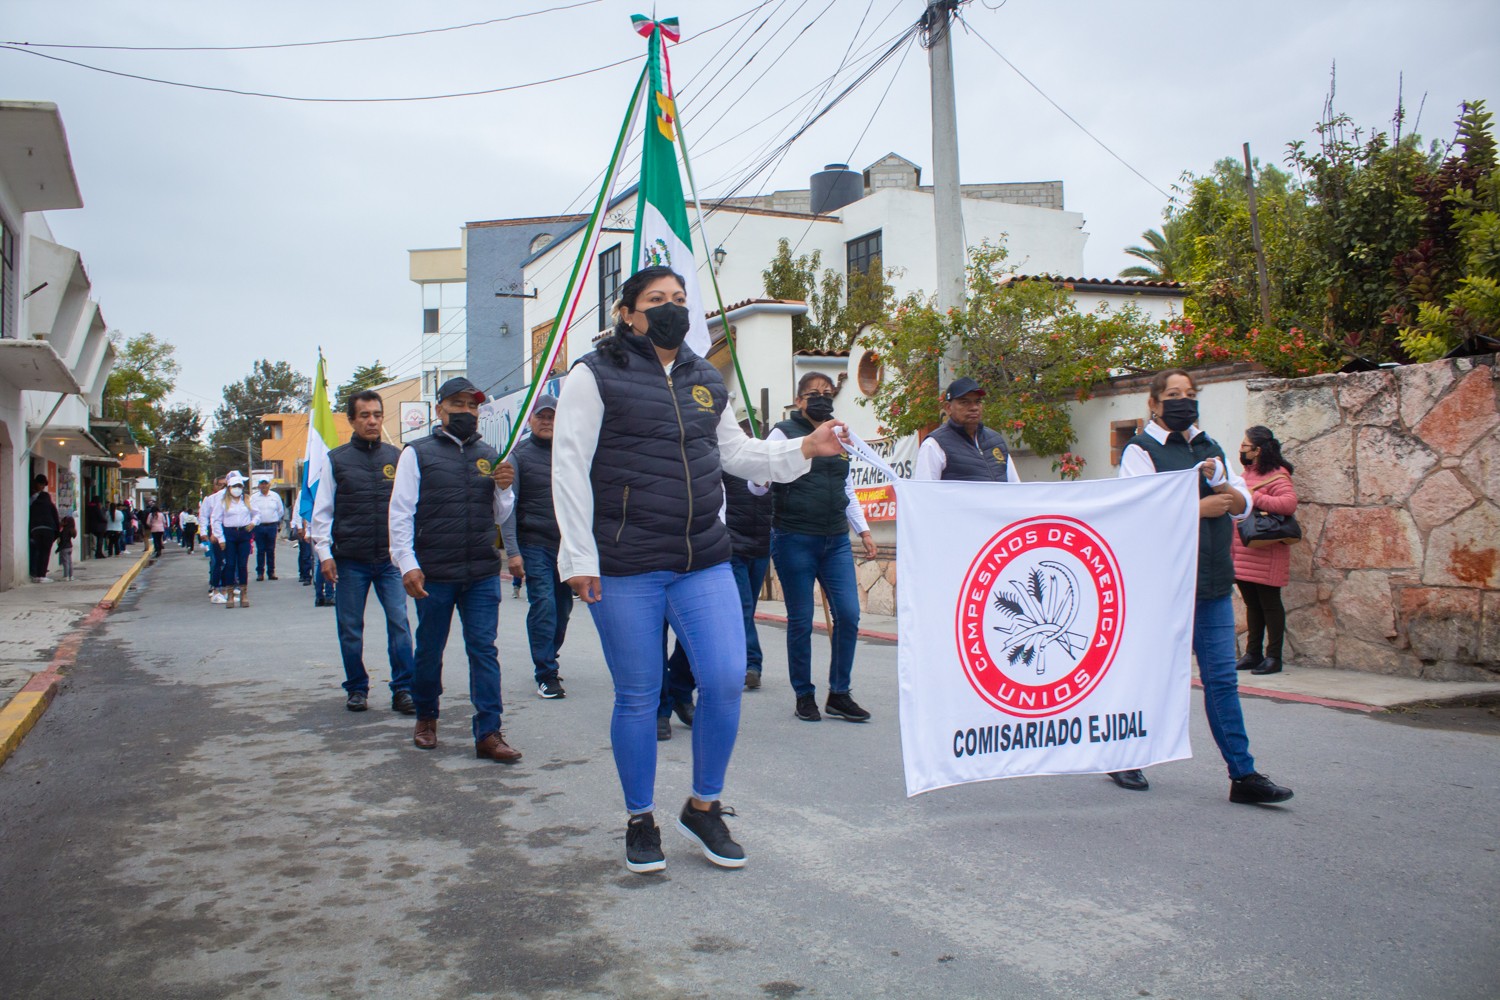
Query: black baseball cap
[(454, 386), (962, 387)]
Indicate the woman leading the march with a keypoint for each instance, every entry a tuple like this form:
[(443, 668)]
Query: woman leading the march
[(644, 430), (233, 522), (1261, 571), (1172, 441)]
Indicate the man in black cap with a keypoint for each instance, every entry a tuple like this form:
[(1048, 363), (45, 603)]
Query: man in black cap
[(351, 532), (450, 494), (962, 448), (531, 541)]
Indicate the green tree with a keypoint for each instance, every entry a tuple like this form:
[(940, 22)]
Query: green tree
[(271, 387), (1159, 256), (144, 372), (1026, 342), (180, 461), (836, 309), (364, 377)]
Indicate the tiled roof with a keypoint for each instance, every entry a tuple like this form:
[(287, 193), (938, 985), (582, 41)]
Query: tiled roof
[(1110, 282), (742, 303), (820, 354)]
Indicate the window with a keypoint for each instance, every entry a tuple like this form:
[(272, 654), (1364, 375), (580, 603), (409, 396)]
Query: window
[(871, 373), (539, 335), (609, 284), (429, 321), (7, 281), (1120, 433), (863, 252), (275, 469), (541, 242)]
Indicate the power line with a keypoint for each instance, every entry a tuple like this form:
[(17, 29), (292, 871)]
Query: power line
[(1102, 145), (298, 45)]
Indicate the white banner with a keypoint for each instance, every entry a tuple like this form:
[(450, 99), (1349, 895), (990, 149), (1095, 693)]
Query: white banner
[(1046, 628), (498, 416)]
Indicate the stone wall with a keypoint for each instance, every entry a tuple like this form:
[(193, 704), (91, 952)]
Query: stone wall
[(1398, 474), (876, 578)]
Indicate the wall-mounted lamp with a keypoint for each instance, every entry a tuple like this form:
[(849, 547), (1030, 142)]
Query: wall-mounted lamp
[(719, 254), (504, 329)]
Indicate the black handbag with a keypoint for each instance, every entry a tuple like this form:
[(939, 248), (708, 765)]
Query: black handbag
[(1263, 528)]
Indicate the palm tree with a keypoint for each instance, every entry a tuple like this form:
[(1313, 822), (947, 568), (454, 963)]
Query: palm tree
[(1161, 255)]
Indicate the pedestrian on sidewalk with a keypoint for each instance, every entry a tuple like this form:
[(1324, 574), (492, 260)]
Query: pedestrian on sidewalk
[(234, 521), (1171, 442), (156, 522), (531, 539), (65, 546), (187, 528), (207, 510), (44, 525), (643, 434), (116, 530), (268, 512), (1261, 571), (351, 529), (450, 496), (748, 518), (810, 523), (96, 524)]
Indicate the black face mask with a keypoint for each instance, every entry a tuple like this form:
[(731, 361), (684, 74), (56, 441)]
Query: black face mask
[(669, 324), (463, 425), (1179, 414), (819, 408), (1245, 460)]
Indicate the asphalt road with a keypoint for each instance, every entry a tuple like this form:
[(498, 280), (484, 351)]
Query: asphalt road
[(197, 816)]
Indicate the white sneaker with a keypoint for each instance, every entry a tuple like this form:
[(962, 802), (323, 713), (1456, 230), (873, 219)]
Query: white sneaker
[(219, 599), (41, 579)]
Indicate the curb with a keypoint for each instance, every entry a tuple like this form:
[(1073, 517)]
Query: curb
[(25, 708)]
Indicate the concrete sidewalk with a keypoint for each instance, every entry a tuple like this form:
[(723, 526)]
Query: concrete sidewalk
[(1351, 689)]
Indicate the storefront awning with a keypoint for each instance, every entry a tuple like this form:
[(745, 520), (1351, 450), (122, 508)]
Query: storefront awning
[(115, 436), (64, 442), (33, 364)]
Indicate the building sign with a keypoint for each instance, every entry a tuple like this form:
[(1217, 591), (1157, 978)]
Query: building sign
[(876, 496), (413, 420), (498, 416)]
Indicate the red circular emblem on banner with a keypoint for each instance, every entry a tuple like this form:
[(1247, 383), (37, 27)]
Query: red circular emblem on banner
[(1040, 615)]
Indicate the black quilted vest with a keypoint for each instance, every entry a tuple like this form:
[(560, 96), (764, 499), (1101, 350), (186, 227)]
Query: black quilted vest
[(815, 503), (656, 470), (455, 522), (748, 518), (536, 521), (980, 459), (1215, 562), (363, 474)]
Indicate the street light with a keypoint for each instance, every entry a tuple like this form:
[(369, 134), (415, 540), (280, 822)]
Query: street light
[(719, 254)]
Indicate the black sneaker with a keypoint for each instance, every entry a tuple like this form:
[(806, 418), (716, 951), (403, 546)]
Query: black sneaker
[(1257, 790), (550, 688), (357, 701), (706, 829), (401, 702), (841, 706), (684, 710), (643, 845), (663, 728), (807, 708)]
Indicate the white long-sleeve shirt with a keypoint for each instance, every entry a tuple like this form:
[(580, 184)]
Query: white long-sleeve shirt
[(231, 513), (268, 509), (1135, 462), (207, 511), (854, 511), (320, 527), (403, 509), (932, 460), (580, 415)]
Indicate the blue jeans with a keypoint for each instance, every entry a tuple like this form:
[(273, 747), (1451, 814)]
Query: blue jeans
[(305, 567), (703, 609), (323, 590), (235, 571), (677, 678), (265, 549), (355, 581), (478, 604), (215, 565), (800, 560), (1213, 645), (551, 603), (750, 576)]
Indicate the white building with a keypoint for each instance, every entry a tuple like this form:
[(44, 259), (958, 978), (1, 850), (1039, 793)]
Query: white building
[(55, 353), (441, 277)]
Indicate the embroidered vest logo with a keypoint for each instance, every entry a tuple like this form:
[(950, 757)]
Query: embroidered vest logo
[(703, 397), (483, 465), (388, 471)]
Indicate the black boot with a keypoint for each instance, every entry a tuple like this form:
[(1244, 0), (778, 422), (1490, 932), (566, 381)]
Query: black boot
[(1247, 661), (1270, 665)]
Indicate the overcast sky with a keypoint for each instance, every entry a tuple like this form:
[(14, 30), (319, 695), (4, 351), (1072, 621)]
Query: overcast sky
[(239, 227)]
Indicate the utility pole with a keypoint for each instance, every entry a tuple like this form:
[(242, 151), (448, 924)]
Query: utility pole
[(947, 206), (1260, 252)]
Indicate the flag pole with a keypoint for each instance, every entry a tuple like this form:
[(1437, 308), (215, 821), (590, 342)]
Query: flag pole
[(567, 308)]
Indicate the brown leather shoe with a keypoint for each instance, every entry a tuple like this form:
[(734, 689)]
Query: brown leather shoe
[(426, 735), (494, 747)]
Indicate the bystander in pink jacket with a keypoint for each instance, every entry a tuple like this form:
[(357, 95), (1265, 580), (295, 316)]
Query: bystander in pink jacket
[(1266, 564)]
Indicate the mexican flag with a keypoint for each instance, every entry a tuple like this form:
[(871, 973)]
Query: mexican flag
[(662, 234), (322, 437)]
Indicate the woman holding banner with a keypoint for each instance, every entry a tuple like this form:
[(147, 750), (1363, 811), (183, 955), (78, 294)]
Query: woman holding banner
[(1172, 441), (644, 431)]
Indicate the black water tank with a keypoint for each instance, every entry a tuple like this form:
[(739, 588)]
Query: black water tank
[(835, 186)]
